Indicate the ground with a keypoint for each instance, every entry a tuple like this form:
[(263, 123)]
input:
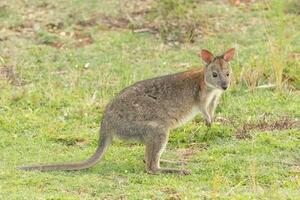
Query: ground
[(61, 62)]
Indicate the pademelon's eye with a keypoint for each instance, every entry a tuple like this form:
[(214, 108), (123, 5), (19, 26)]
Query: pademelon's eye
[(215, 74), (227, 74)]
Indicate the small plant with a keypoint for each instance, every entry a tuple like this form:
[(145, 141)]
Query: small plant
[(278, 63), (278, 44), (252, 77)]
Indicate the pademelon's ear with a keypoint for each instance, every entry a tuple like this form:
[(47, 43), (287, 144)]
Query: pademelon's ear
[(206, 55), (228, 55)]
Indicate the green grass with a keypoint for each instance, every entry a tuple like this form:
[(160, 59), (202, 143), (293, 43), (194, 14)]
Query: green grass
[(52, 102)]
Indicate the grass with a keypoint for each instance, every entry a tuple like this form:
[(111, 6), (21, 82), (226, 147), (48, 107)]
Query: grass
[(57, 73)]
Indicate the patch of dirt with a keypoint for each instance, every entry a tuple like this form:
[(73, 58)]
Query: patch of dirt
[(8, 73), (82, 39), (56, 44), (53, 42), (284, 123)]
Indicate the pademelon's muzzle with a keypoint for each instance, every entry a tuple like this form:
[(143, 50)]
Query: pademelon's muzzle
[(224, 86)]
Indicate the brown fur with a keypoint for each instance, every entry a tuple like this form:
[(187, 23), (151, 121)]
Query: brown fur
[(148, 110)]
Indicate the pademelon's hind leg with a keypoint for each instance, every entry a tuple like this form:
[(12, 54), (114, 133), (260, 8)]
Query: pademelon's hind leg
[(154, 148)]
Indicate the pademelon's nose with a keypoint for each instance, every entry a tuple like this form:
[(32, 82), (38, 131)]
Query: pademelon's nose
[(224, 86)]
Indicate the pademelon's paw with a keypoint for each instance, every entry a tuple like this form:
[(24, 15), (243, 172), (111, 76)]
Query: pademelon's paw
[(208, 123)]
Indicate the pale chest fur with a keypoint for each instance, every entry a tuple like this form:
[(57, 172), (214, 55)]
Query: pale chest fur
[(188, 116), (211, 96), (206, 100)]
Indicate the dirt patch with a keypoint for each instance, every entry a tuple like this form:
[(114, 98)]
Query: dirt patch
[(82, 39), (284, 123), (8, 73)]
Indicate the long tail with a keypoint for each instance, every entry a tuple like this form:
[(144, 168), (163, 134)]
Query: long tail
[(104, 143)]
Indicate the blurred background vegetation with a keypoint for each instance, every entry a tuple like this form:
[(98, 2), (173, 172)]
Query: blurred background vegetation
[(266, 33)]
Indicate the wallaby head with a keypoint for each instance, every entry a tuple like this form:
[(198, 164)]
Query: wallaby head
[(217, 70)]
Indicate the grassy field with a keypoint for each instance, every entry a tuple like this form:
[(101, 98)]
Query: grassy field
[(61, 62)]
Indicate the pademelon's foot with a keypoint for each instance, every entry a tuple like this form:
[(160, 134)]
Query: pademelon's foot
[(208, 123)]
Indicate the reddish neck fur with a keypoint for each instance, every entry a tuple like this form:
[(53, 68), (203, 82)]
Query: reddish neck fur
[(196, 74)]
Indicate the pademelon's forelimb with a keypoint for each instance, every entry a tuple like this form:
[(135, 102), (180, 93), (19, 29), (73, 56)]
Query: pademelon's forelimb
[(103, 145)]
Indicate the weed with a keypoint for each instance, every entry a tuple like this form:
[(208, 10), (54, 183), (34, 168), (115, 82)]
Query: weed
[(279, 45)]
